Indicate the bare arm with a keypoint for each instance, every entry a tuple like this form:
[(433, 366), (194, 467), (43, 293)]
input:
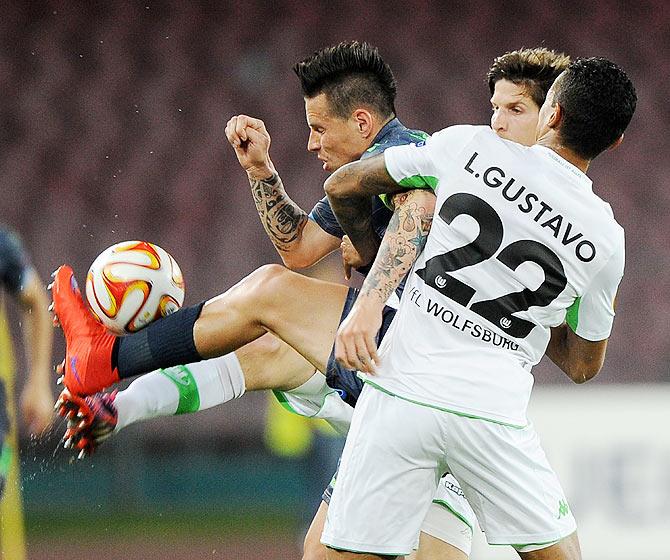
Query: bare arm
[(36, 398), (402, 243), (579, 358), (350, 190), (405, 237), (299, 241)]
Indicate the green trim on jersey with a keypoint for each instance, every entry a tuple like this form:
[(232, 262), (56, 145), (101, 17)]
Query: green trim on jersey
[(456, 412), (189, 397), (453, 512), (413, 182), (420, 182), (572, 315), (419, 135)]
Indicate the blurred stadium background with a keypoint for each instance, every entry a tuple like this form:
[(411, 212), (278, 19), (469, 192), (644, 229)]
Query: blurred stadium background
[(111, 128)]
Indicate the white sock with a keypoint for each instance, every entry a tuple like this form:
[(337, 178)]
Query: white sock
[(180, 390), (315, 399)]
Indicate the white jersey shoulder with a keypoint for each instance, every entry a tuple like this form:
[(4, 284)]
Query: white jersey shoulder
[(519, 243)]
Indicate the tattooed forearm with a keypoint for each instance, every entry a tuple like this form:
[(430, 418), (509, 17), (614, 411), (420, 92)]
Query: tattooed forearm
[(282, 218), (403, 241)]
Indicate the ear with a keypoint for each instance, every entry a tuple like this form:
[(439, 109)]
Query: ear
[(364, 122), (556, 116), (616, 143)]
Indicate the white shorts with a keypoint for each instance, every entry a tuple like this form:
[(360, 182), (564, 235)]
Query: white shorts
[(392, 461)]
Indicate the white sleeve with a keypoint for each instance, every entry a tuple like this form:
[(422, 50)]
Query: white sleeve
[(415, 165), (412, 166), (592, 315)]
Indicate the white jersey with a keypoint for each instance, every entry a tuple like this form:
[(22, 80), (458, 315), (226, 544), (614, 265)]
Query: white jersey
[(519, 244)]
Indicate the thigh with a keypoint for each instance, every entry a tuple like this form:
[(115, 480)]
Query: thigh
[(303, 312), (565, 549), (313, 549), (434, 548), (507, 479), (450, 518), (307, 319), (389, 471)]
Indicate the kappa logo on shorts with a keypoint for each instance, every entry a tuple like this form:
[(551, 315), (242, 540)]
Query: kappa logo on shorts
[(563, 509)]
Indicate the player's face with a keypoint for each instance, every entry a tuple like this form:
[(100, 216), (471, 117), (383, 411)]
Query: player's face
[(335, 141), (515, 113)]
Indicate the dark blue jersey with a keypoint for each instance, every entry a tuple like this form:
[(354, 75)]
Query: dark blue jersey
[(394, 133), (14, 262)]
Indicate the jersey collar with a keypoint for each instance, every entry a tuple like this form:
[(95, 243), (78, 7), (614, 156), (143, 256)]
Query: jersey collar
[(389, 127), (577, 173)]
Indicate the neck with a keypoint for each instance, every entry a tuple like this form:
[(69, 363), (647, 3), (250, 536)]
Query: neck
[(553, 143), (376, 130)]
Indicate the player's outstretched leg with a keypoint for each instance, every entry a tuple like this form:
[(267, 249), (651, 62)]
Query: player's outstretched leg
[(302, 311)]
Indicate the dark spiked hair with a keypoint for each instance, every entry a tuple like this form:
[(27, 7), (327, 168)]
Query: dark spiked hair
[(598, 100), (533, 69), (351, 75)]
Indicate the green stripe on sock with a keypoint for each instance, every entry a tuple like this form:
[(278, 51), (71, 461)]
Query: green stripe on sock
[(189, 397)]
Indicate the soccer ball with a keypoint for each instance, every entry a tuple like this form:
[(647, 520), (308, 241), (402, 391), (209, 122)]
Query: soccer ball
[(131, 284)]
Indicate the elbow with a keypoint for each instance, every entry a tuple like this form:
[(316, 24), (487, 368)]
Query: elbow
[(584, 372), (297, 262), (338, 185)]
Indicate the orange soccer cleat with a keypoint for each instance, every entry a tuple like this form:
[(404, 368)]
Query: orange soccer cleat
[(87, 367)]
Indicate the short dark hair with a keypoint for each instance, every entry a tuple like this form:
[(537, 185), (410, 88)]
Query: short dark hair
[(351, 74), (598, 100), (533, 69)]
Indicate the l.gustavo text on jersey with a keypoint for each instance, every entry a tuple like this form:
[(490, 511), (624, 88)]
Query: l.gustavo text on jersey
[(528, 202)]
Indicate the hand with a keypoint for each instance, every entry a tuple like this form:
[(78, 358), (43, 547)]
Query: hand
[(36, 404), (355, 344), (251, 141), (350, 257)]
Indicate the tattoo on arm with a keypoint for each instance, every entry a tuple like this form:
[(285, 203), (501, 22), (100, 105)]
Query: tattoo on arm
[(282, 218), (403, 241)]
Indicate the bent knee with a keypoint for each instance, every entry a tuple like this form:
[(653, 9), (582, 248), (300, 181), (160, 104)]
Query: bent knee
[(267, 282)]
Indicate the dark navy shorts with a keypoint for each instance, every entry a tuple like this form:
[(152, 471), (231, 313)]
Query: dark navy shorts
[(345, 381)]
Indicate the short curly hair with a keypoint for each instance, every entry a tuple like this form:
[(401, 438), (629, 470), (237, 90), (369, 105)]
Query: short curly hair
[(598, 100)]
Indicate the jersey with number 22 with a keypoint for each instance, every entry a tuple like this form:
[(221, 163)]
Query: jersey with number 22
[(519, 244)]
